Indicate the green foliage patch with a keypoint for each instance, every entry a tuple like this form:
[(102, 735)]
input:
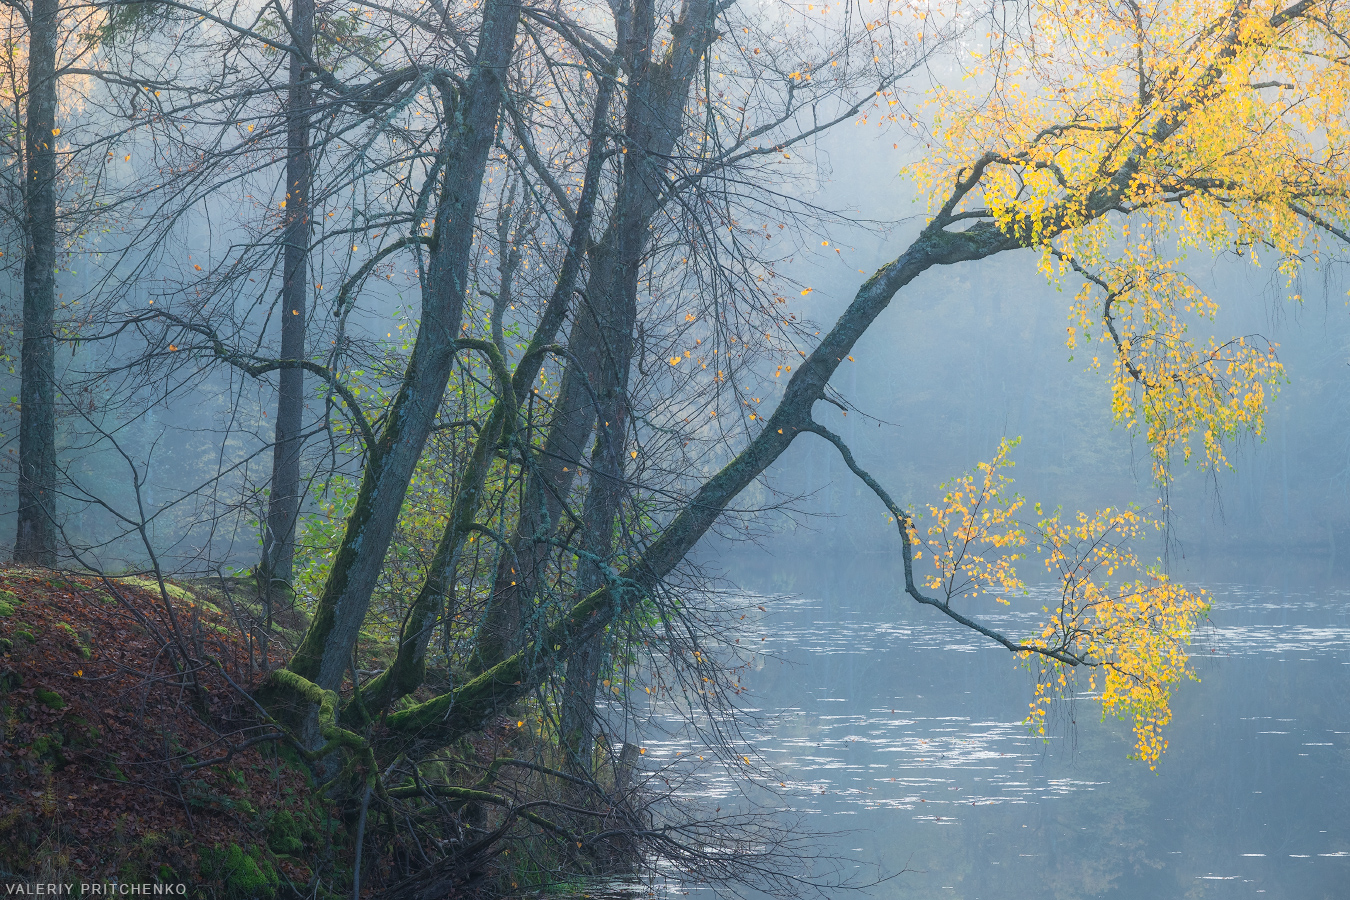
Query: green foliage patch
[(49, 699), (242, 875), (284, 834)]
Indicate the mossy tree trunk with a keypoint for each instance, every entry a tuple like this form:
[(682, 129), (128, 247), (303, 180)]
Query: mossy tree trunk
[(472, 114), (500, 431)]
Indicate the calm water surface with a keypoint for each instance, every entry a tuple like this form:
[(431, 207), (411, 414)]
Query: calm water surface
[(901, 736)]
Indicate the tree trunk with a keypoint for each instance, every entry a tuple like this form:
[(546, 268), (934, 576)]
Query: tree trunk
[(653, 116), (325, 652), (407, 671), (283, 508), (604, 495), (519, 573), (638, 201), (582, 675), (35, 542), (448, 717)]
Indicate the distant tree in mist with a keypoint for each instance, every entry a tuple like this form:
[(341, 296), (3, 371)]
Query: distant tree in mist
[(283, 510)]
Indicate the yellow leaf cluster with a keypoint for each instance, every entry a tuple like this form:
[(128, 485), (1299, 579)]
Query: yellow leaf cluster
[(1126, 625), (1118, 138), (1132, 634), (975, 537), (1179, 393)]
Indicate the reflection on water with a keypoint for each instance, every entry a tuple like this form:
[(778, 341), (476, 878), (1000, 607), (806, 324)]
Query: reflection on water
[(905, 733)]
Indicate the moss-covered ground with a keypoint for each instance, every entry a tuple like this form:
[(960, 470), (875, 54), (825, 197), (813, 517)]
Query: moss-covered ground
[(109, 771)]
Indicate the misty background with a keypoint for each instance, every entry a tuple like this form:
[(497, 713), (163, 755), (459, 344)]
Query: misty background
[(967, 355)]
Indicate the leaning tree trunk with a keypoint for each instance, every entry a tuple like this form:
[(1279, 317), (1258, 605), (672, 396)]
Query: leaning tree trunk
[(35, 542), (325, 652), (278, 553), (448, 717)]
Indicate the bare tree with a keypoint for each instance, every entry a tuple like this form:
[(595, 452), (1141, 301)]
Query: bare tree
[(36, 540), (278, 553)]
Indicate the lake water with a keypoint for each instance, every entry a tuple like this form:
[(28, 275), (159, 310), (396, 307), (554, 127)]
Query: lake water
[(899, 737)]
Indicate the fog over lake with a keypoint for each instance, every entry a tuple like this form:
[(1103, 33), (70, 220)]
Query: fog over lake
[(899, 737)]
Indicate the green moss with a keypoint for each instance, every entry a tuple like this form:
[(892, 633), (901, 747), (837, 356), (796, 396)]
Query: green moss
[(6, 645), (49, 699), (283, 834), (26, 635), (151, 585), (244, 876), (75, 636), (48, 746)]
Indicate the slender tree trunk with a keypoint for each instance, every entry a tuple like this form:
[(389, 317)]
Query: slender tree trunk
[(278, 553), (604, 496), (600, 515), (638, 199), (35, 543), (519, 572), (653, 117), (406, 673), (325, 652)]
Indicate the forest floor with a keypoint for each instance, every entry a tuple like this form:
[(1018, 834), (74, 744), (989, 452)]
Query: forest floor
[(109, 772), (125, 768)]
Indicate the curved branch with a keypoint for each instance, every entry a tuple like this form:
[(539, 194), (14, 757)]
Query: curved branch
[(903, 523), (360, 274), (1111, 296), (255, 366)]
